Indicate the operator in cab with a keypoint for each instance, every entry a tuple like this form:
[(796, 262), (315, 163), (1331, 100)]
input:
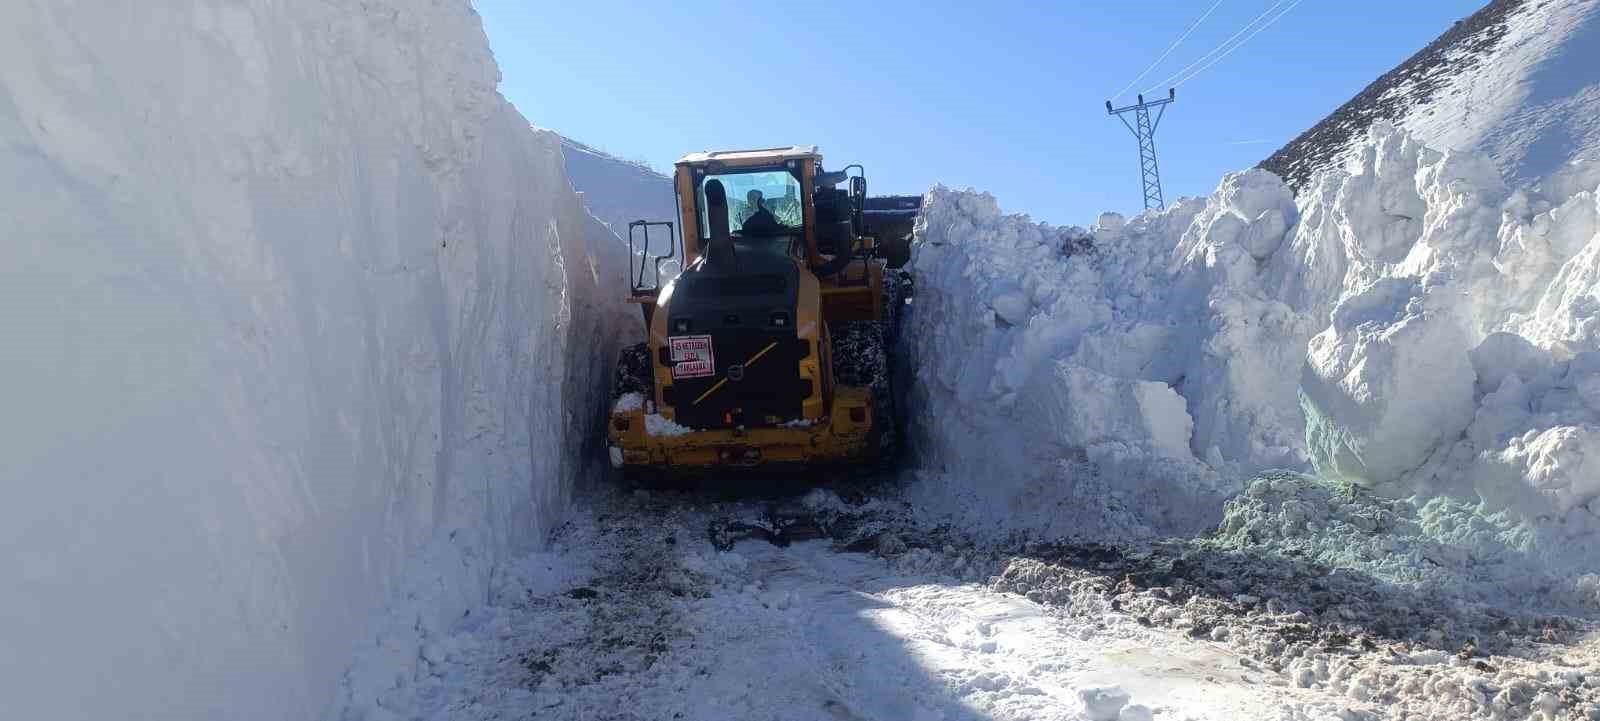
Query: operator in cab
[(762, 223)]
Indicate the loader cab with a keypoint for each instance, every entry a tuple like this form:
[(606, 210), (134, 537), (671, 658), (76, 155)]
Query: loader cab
[(764, 209), (777, 180)]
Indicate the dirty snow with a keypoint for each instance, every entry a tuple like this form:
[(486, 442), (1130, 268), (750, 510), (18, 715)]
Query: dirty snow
[(633, 613)]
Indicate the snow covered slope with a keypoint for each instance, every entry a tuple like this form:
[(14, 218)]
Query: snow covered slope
[(291, 295), (618, 191), (1518, 80), (1411, 324)]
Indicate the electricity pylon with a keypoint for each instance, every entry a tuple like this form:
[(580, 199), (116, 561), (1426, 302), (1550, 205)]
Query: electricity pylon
[(1144, 129)]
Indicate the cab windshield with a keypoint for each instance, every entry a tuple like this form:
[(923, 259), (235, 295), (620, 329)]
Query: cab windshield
[(762, 204)]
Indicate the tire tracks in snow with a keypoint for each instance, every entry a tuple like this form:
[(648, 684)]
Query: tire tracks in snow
[(634, 614)]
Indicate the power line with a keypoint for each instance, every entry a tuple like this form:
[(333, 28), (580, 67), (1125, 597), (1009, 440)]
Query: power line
[(1219, 58), (1170, 48), (1219, 47)]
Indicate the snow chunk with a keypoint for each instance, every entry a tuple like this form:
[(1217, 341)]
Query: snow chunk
[(1103, 703), (1087, 408), (657, 425), (628, 402), (1109, 225), (1502, 355), (1386, 383), (1562, 463)]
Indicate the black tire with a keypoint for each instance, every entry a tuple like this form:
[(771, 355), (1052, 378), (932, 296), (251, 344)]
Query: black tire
[(896, 250), (634, 374)]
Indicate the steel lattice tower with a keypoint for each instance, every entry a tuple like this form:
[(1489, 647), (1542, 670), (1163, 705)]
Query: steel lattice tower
[(1144, 130)]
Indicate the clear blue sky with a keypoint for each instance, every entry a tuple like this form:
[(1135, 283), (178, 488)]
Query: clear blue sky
[(1006, 96)]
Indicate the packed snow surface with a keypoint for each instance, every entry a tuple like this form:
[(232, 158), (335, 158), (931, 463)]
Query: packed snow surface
[(838, 605), (292, 298), (632, 614), (1410, 323)]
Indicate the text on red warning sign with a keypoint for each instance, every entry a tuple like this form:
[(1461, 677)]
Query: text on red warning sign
[(691, 356)]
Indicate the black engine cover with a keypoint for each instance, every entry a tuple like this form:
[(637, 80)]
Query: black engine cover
[(748, 311)]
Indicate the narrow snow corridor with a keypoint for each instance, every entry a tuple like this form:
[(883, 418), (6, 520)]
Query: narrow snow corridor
[(312, 338)]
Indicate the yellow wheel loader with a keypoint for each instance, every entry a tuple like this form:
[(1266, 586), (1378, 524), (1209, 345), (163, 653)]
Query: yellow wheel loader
[(774, 345)]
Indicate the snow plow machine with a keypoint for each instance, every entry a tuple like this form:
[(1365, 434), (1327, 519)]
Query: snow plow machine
[(773, 348)]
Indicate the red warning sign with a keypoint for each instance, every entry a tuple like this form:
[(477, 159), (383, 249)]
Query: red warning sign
[(691, 356)]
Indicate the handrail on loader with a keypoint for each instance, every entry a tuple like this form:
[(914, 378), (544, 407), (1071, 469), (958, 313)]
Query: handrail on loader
[(636, 279)]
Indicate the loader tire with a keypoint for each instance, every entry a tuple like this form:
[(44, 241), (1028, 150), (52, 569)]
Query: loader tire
[(634, 374), (864, 354)]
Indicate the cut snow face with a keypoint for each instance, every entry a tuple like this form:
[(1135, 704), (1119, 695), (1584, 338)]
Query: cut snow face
[(298, 312), (1410, 324)]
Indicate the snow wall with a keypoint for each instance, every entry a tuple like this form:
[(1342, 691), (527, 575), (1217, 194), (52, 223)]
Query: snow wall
[(1409, 324), (293, 298)]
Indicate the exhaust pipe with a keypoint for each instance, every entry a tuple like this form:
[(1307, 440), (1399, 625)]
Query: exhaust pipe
[(719, 252)]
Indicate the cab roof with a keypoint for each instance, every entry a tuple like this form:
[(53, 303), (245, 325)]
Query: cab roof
[(760, 156)]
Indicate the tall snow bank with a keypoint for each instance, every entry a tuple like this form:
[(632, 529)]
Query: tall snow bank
[(1410, 323), (1045, 402), (291, 297)]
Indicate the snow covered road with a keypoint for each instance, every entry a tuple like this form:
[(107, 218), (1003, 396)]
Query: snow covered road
[(634, 614)]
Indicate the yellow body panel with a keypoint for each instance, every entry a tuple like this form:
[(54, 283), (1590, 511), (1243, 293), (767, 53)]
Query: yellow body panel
[(837, 438), (855, 294)]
